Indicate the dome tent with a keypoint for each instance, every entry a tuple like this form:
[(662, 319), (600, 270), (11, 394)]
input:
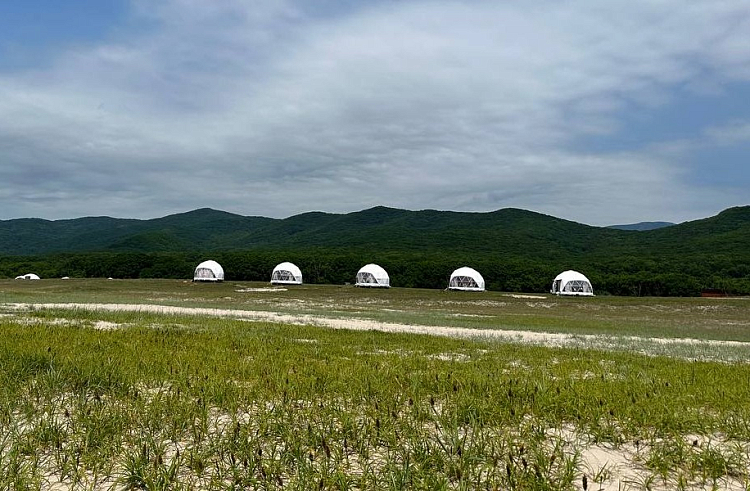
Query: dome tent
[(373, 276), (28, 276), (209, 271), (286, 274), (572, 283), (466, 279)]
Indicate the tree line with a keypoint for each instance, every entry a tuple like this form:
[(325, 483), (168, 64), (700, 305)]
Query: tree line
[(627, 276)]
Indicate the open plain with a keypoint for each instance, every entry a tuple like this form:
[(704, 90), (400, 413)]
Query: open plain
[(166, 384)]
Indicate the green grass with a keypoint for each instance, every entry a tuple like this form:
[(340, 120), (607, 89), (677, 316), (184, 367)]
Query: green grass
[(186, 402), (718, 319)]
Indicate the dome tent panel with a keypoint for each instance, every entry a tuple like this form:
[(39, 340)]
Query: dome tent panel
[(286, 274), (209, 271), (466, 279), (372, 275), (572, 283)]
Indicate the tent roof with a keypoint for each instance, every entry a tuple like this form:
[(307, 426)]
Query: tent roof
[(570, 275), (213, 266), (291, 267), (374, 270), (470, 272), (28, 276)]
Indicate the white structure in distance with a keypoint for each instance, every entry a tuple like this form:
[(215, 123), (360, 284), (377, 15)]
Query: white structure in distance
[(286, 274), (209, 271), (372, 276), (466, 279), (28, 276), (572, 283)]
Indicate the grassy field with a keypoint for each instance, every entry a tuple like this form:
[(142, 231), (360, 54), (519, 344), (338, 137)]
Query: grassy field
[(133, 399)]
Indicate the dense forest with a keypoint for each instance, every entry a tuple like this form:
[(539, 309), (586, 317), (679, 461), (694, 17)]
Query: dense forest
[(621, 276), (514, 250)]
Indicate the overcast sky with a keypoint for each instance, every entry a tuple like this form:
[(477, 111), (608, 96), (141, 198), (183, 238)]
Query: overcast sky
[(598, 112)]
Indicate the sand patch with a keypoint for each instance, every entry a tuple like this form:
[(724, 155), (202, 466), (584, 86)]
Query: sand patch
[(686, 348), (460, 357), (260, 290), (106, 326), (37, 321)]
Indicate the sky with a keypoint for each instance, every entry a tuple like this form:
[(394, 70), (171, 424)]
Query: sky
[(598, 112)]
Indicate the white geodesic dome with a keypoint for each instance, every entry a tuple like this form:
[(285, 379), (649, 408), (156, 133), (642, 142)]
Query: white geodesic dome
[(286, 274), (466, 279), (372, 275), (572, 283), (209, 271), (28, 276)]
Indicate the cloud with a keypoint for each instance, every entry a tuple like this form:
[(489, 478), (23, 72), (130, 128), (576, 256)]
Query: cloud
[(276, 108), (734, 132)]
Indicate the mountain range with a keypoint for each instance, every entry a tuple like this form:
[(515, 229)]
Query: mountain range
[(515, 250), (641, 226), (506, 231)]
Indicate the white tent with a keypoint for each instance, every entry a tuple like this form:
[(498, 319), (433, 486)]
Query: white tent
[(209, 271), (28, 276), (286, 274), (466, 279), (572, 283), (372, 275)]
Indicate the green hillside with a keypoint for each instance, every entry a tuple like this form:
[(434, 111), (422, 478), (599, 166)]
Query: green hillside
[(514, 249), (508, 231)]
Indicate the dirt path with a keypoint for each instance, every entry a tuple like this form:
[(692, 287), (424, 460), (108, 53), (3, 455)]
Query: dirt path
[(689, 348)]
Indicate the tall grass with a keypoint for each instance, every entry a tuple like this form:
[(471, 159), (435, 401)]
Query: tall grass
[(181, 402)]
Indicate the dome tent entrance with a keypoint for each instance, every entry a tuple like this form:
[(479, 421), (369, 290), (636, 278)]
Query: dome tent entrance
[(466, 279), (373, 276), (286, 274), (209, 271), (572, 283)]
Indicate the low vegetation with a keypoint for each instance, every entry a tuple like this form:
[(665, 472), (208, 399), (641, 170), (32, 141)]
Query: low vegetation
[(93, 399)]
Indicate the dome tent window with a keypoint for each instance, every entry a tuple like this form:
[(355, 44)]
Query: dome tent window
[(373, 276), (286, 274), (209, 271), (466, 279), (572, 283)]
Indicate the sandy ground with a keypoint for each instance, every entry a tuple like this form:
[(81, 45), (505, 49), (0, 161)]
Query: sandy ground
[(617, 464)]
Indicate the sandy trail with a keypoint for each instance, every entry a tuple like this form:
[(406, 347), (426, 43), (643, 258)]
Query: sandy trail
[(700, 349)]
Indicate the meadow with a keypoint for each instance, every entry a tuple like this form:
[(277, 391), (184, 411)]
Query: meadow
[(167, 384)]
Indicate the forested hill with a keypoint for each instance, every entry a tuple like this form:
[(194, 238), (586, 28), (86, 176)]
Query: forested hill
[(195, 230), (514, 249), (503, 232), (380, 227)]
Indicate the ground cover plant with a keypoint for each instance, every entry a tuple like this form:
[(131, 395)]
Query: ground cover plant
[(132, 399)]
